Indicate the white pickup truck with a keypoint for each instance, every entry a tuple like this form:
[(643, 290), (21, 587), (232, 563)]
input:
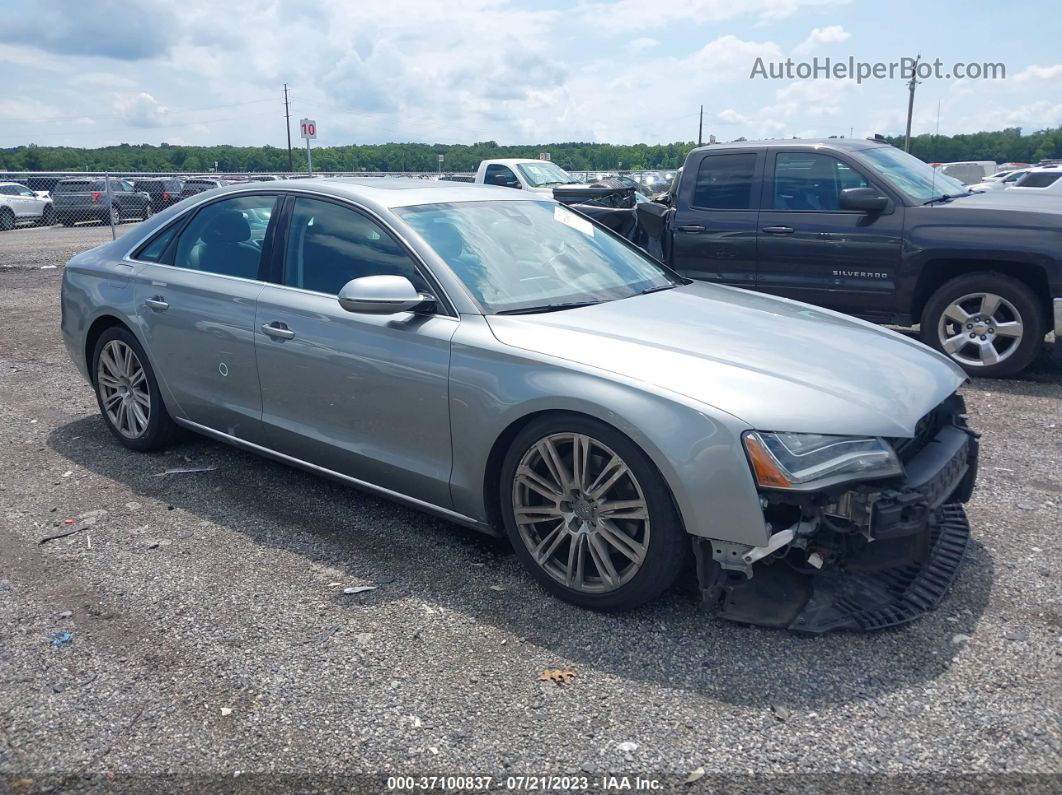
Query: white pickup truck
[(537, 176)]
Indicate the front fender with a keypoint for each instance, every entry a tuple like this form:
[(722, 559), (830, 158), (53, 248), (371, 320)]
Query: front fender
[(696, 449)]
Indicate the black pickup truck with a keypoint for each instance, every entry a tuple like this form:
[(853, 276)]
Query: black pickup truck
[(866, 229)]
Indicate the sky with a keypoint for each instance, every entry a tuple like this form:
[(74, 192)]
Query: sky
[(101, 72)]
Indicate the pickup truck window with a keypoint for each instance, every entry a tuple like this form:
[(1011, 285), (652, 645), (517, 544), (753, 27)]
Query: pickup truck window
[(724, 182), (810, 181), (508, 177), (1039, 179)]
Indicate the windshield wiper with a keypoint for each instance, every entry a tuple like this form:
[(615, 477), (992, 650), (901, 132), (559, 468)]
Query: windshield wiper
[(648, 290), (945, 197), (532, 310)]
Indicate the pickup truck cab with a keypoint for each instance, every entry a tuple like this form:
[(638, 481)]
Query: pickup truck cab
[(866, 229), (536, 176)]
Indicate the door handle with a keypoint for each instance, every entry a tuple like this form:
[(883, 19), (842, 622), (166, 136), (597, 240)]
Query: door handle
[(278, 331), (156, 302), (691, 228), (778, 230)]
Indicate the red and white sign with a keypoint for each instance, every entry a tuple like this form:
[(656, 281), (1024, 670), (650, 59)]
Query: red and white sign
[(543, 155), (309, 128)]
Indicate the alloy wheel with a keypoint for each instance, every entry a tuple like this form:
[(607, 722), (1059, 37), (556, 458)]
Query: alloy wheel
[(581, 513), (116, 217), (123, 388), (980, 329)]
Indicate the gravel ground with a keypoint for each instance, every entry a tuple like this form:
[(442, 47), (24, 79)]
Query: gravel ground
[(210, 634)]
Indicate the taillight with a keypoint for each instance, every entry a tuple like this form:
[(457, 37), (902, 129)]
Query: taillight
[(96, 196), (165, 195)]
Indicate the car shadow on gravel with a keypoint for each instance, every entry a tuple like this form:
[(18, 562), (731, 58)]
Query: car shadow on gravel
[(671, 643)]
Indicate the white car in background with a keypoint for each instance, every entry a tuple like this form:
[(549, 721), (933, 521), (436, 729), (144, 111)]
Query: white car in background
[(998, 182), (19, 205), (1039, 180)]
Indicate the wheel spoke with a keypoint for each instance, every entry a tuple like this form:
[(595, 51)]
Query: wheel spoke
[(551, 458), (139, 418), (622, 542), (123, 416), (549, 544), (537, 513), (957, 313), (623, 509), (108, 362), (1011, 328), (954, 344), (142, 399), (108, 381), (127, 361), (111, 401), (535, 482), (607, 478), (138, 378), (581, 450), (989, 354), (989, 304), (602, 562), (575, 570)]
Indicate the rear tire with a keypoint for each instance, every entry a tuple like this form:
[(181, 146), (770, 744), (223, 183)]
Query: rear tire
[(127, 392), (48, 216), (148, 211), (628, 536), (7, 220), (114, 218), (988, 323)]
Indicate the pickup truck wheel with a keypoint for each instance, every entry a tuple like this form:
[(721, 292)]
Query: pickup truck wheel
[(148, 211), (48, 216), (7, 220), (589, 515), (988, 323), (115, 217)]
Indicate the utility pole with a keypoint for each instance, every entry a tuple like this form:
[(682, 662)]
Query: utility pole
[(287, 126), (700, 128), (910, 103)]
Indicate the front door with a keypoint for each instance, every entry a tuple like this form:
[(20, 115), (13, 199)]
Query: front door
[(715, 226), (812, 250), (197, 312), (364, 395)]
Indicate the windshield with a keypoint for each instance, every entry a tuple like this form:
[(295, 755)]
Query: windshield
[(545, 173), (907, 173), (527, 255)]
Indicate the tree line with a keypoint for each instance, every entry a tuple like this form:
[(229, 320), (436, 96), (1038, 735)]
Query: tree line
[(1002, 146)]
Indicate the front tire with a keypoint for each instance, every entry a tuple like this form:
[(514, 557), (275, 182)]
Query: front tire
[(48, 216), (7, 220), (988, 323), (589, 515), (148, 211), (127, 392)]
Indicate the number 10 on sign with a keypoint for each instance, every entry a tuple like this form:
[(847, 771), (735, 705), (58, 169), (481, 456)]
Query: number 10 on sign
[(309, 130)]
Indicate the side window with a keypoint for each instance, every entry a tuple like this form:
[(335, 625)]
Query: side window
[(810, 181), (724, 182), (508, 178), (329, 245), (126, 186), (226, 237), (7, 190), (153, 250), (23, 191)]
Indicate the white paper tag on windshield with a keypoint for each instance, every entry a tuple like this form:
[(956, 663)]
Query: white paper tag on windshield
[(566, 216)]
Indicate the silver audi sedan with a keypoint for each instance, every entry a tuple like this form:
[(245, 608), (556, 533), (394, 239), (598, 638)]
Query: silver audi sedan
[(502, 361)]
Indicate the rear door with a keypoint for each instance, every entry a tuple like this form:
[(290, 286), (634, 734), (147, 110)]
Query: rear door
[(811, 250), (359, 394), (197, 309), (715, 225)]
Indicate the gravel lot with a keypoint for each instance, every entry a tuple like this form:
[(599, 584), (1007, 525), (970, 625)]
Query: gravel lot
[(210, 634)]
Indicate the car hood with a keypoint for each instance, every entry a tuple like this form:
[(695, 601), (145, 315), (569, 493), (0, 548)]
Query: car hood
[(776, 364)]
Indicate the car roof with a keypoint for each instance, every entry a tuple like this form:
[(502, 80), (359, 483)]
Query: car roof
[(389, 192), (515, 161), (851, 144)]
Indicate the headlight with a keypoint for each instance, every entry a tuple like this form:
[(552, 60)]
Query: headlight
[(806, 461)]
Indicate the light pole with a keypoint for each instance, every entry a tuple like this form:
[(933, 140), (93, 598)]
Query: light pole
[(910, 103)]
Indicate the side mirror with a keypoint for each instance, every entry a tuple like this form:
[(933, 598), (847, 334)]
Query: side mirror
[(866, 200), (382, 295)]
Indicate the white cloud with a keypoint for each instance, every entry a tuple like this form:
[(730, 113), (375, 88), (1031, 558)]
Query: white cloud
[(644, 43), (1039, 73), (731, 116), (636, 15), (831, 34), (140, 110)]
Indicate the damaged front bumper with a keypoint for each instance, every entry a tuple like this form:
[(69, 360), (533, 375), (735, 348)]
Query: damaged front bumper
[(861, 557)]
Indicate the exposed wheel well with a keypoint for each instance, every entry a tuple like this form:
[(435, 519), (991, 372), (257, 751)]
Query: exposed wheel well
[(935, 273), (99, 325), (492, 475)]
